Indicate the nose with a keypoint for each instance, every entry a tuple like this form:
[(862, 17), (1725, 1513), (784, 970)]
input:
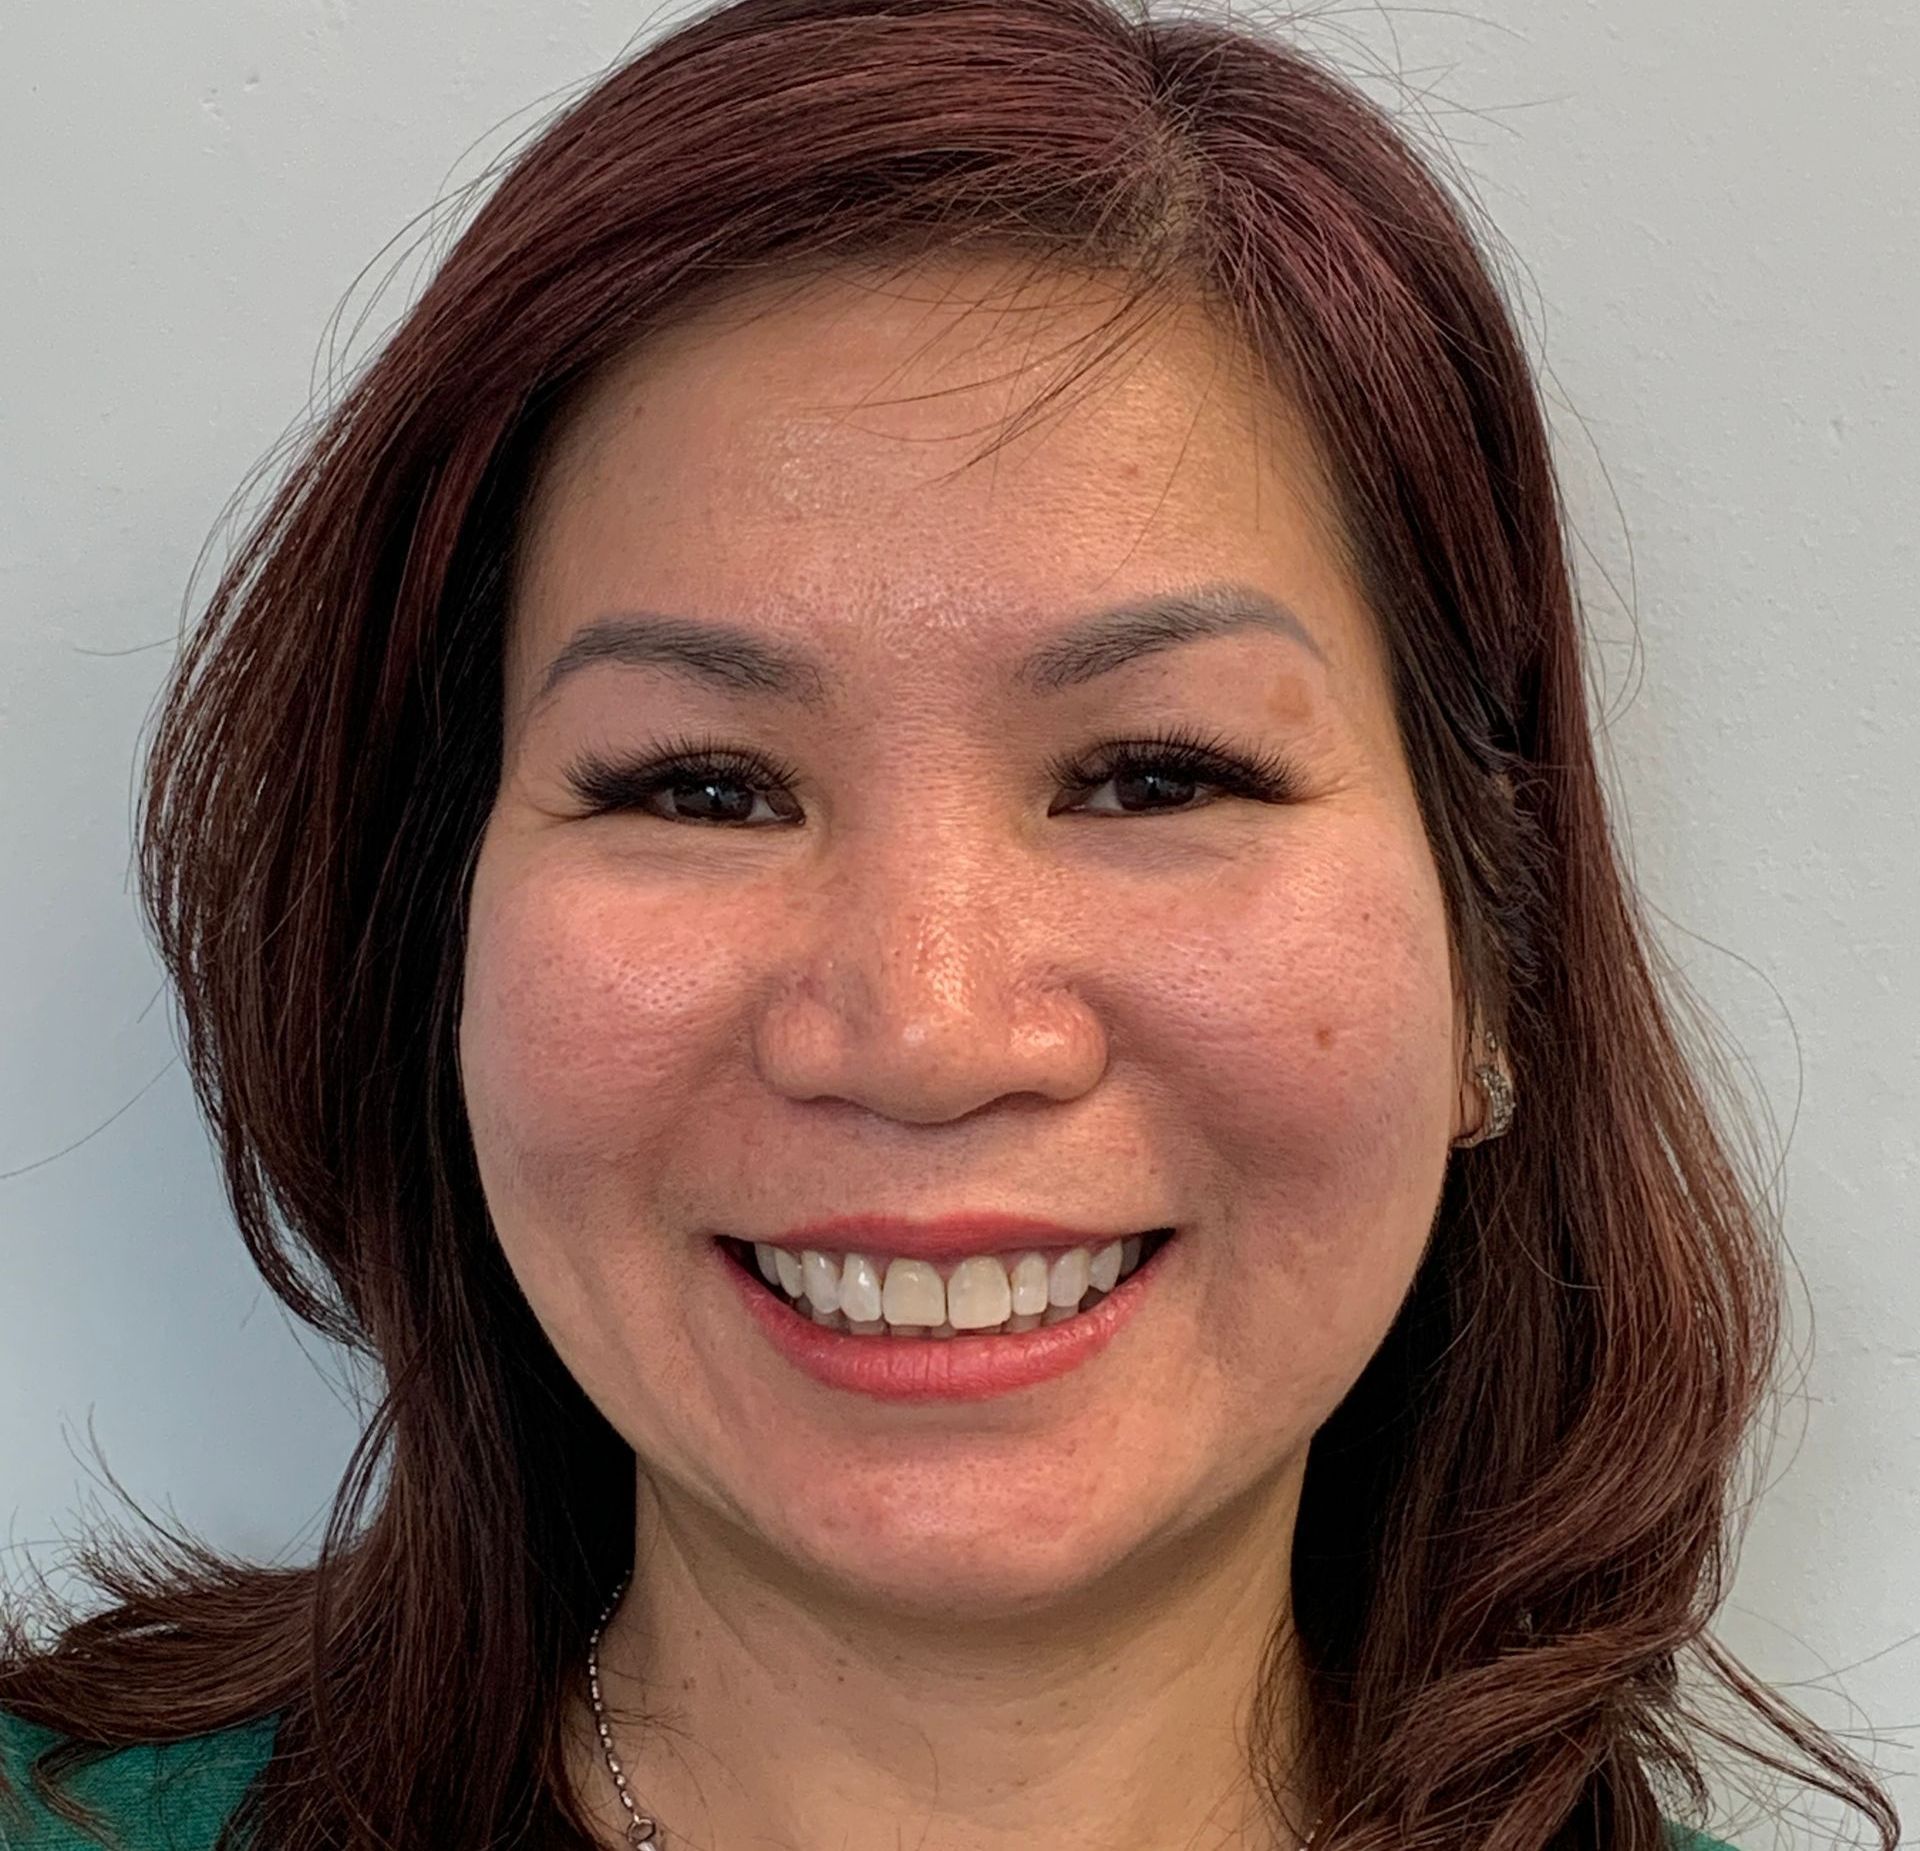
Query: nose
[(926, 979)]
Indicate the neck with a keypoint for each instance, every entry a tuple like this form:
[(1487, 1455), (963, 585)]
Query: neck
[(799, 1714)]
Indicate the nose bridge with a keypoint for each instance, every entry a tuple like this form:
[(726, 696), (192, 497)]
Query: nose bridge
[(932, 974), (941, 946), (927, 932)]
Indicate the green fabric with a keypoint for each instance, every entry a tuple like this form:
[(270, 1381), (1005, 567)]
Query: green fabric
[(175, 1796), (171, 1796)]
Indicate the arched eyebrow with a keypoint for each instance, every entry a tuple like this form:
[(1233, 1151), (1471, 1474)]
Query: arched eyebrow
[(742, 660)]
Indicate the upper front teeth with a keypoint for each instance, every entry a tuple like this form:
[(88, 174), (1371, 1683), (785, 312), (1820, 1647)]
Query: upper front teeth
[(981, 1292)]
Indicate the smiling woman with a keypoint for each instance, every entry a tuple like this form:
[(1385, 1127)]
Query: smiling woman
[(996, 1111)]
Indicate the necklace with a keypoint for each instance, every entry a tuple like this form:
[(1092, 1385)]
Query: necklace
[(643, 1831)]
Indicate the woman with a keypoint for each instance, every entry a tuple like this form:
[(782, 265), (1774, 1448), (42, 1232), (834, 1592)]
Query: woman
[(996, 1109)]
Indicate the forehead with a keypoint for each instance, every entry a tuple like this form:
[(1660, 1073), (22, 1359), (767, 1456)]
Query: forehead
[(815, 458)]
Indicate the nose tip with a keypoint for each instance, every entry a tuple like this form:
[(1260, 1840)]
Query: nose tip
[(931, 1063), (928, 982)]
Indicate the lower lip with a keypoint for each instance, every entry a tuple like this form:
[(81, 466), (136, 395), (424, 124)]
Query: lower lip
[(959, 1368)]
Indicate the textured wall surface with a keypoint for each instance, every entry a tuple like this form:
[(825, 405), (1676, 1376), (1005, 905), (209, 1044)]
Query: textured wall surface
[(1709, 214)]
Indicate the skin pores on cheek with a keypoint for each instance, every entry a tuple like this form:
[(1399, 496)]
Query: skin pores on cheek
[(1308, 1007), (582, 1044)]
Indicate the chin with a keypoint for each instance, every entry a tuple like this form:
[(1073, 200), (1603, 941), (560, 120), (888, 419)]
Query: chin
[(953, 1556)]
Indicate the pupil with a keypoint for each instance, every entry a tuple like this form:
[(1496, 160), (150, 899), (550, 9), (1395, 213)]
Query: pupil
[(1160, 778), (731, 812)]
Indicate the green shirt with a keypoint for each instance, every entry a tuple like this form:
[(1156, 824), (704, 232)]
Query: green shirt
[(175, 1796), (171, 1796)]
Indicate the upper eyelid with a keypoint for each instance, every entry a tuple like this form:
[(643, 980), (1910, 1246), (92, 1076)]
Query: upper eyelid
[(1246, 770)]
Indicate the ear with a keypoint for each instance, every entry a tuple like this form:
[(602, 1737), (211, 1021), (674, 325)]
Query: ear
[(1468, 1105)]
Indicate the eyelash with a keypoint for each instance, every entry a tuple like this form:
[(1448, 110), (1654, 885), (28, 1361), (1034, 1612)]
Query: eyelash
[(1182, 754)]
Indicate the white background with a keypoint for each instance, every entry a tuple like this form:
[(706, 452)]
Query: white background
[(1709, 206)]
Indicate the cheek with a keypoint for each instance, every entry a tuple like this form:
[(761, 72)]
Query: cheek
[(1317, 991), (583, 1033), (1292, 1015), (1307, 1046), (1305, 998)]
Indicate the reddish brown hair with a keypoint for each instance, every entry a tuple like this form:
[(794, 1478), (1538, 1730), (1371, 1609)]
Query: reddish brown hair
[(1519, 1522)]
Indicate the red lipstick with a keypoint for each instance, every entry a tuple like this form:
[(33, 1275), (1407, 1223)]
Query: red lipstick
[(965, 1367)]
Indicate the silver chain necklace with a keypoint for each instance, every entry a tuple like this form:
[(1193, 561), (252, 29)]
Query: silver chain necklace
[(643, 1831)]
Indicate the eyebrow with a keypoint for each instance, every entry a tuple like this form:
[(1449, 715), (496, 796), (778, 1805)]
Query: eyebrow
[(741, 660)]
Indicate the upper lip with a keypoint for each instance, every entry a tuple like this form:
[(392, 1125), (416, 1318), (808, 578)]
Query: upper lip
[(908, 1237)]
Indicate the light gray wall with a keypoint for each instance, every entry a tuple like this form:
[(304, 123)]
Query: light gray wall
[(1712, 206)]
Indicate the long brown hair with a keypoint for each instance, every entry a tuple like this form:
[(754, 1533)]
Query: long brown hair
[(1519, 1523)]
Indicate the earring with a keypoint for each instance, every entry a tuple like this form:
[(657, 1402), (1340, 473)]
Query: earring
[(1496, 1085)]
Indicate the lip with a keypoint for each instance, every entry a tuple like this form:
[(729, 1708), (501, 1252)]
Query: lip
[(959, 1368), (940, 1237)]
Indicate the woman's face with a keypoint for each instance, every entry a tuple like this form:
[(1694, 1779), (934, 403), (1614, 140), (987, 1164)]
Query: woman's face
[(925, 975)]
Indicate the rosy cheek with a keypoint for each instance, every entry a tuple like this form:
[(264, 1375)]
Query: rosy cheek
[(1374, 1056), (1316, 1015), (582, 1028), (1318, 983), (1367, 1021), (1297, 1020)]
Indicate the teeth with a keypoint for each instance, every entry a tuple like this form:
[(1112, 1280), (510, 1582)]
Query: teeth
[(1067, 1282), (1029, 1286), (860, 1290), (908, 1298), (979, 1295), (822, 1278), (913, 1294)]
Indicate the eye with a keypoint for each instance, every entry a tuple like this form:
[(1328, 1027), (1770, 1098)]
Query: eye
[(1176, 760), (713, 774), (721, 784)]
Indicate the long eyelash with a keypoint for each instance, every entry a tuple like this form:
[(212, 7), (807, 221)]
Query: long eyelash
[(607, 784), (1206, 758), (1185, 752)]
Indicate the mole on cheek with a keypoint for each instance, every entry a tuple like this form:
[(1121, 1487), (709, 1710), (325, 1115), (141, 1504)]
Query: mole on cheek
[(1323, 1036)]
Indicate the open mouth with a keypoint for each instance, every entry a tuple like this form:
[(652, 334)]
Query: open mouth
[(976, 1295)]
